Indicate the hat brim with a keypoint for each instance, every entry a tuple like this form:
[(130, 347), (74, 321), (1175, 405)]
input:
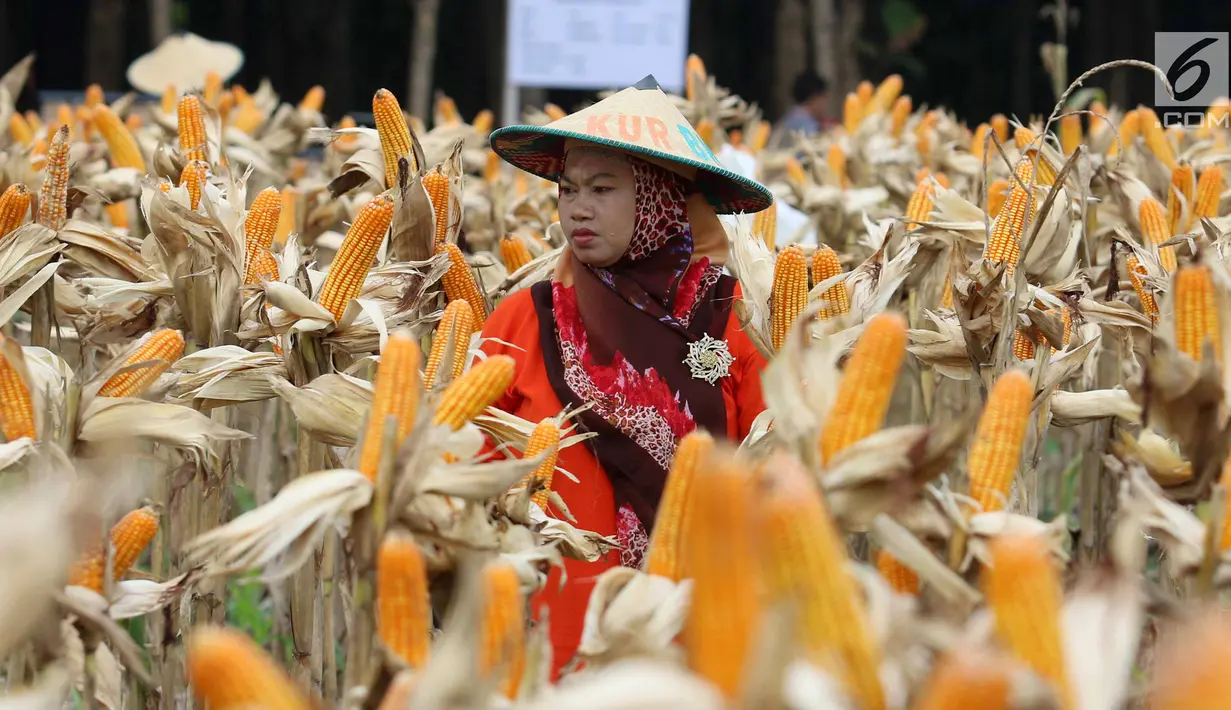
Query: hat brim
[(540, 150)]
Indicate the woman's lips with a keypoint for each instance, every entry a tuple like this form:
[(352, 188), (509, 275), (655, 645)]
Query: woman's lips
[(582, 237)]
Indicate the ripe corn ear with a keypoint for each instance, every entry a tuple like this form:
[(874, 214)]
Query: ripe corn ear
[(1070, 133), (459, 282), (1004, 246), (120, 143), (313, 100), (193, 178), (1000, 125), (898, 116), (1156, 137), (852, 113), (14, 204), (53, 196), (1182, 186), (482, 123), (437, 187), (286, 216), (885, 94), (545, 439), (1154, 227), (667, 554), (129, 537), (997, 193), (866, 386), (1130, 128), (765, 225), (351, 264), (901, 578), (20, 130), (1196, 311), (259, 227), (998, 440), (403, 611), (394, 134), (93, 95), (790, 293), (825, 265), (514, 252), (229, 671), (16, 405), (467, 396), (395, 394), (978, 141), (162, 349), (837, 163), (964, 679), (503, 628), (191, 120), (1137, 270), (458, 322), (1209, 192)]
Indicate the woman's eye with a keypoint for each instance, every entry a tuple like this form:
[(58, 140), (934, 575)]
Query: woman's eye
[(566, 190), (600, 190)]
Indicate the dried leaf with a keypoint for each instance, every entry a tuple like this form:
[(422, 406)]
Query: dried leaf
[(332, 407), (632, 614)]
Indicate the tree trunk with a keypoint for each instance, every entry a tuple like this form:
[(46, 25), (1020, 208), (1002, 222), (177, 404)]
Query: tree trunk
[(423, 58), (825, 48), (791, 52), (846, 55), (160, 21), (104, 60)]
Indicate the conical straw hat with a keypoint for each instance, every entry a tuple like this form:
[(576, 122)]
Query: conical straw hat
[(183, 61), (643, 121)]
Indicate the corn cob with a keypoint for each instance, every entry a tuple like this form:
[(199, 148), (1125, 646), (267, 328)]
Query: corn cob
[(667, 554), (867, 384), (1023, 137), (901, 578), (1209, 193), (837, 163), (864, 91), (1130, 128), (998, 440), (694, 74), (554, 112), (946, 293), (790, 293), (14, 204), (191, 121), (502, 638), (264, 268), (38, 155), (446, 111), (164, 346), (852, 113), (193, 179), (93, 95), (825, 265), (120, 143), (20, 130), (241, 94), (1190, 670), (1182, 186), (117, 214), (395, 394), (760, 137), (286, 217), (807, 565), (492, 168), (545, 439), (85, 117), (795, 172), (1154, 227), (226, 104), (705, 129), (997, 193), (467, 396), (16, 405), (1023, 346), (765, 225), (1070, 133), (403, 612), (1023, 592), (34, 121), (354, 258), (64, 117), (721, 558), (346, 121), (167, 102), (459, 283), (229, 671), (436, 184), (919, 207), (259, 227), (1136, 270), (247, 117), (1215, 116), (978, 141), (394, 134), (514, 252), (923, 145), (482, 123), (53, 196), (212, 89), (1004, 246), (458, 320), (1155, 137), (969, 680), (1000, 125), (1196, 312), (885, 94), (313, 100), (129, 537)]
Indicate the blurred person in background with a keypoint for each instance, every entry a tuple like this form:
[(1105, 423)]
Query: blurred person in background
[(638, 287), (808, 115)]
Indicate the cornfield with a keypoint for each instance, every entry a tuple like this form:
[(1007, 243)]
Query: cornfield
[(245, 417)]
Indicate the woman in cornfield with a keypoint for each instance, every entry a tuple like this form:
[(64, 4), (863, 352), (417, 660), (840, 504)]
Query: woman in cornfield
[(635, 323)]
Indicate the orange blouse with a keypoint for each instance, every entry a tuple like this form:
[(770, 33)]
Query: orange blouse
[(591, 499)]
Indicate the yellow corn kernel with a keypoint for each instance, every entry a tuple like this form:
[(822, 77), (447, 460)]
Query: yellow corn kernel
[(923, 146), (120, 143), (545, 439), (790, 293), (259, 227), (466, 397), (852, 113), (492, 168), (978, 140), (162, 349), (1196, 311), (825, 265), (1130, 128), (503, 627), (1209, 193), (191, 122), (1155, 137), (667, 554), (229, 671), (264, 268), (458, 323), (395, 394), (482, 122), (212, 89), (436, 184), (403, 610), (1023, 137), (946, 293), (20, 131), (885, 94), (394, 134), (129, 537), (765, 225), (1154, 226), (723, 560), (354, 258), (1004, 246), (867, 384), (1190, 672), (901, 578), (34, 121), (1044, 173), (1182, 186), (226, 103), (514, 252), (795, 172), (1136, 270), (167, 102), (554, 112), (998, 440), (864, 91), (193, 178), (760, 137), (919, 207), (64, 117), (1000, 125), (807, 565), (16, 405), (446, 111), (1070, 133), (286, 217), (837, 163), (117, 214), (14, 204), (966, 679), (997, 193), (898, 116), (53, 195), (247, 118), (38, 154), (694, 75), (459, 283), (1023, 592), (313, 99), (1023, 346), (345, 139)]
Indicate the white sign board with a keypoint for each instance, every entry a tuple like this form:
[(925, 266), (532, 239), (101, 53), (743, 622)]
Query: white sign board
[(596, 44)]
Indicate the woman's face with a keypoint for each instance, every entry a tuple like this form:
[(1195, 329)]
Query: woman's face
[(598, 204)]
